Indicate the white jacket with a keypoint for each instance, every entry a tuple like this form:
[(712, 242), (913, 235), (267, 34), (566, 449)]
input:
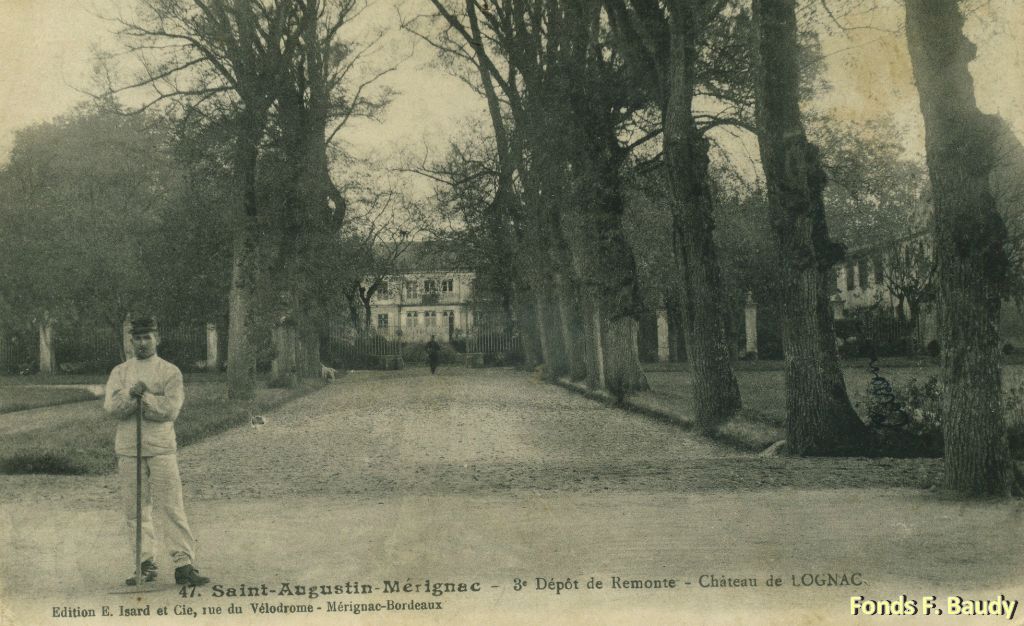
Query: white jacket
[(161, 404)]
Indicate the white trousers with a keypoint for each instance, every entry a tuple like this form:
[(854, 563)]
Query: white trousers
[(161, 502)]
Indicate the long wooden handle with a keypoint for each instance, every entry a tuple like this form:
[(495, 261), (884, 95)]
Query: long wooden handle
[(138, 494)]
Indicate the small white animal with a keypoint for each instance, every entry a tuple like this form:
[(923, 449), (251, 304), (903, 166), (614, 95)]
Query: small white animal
[(327, 373), (257, 420)]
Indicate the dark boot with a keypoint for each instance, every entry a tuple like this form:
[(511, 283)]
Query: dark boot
[(148, 573), (188, 575)]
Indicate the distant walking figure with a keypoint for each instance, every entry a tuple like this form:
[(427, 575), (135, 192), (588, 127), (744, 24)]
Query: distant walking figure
[(433, 354)]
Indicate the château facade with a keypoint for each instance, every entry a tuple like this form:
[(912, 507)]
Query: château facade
[(417, 304)]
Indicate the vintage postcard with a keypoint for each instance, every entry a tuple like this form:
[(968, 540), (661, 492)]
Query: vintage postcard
[(460, 411)]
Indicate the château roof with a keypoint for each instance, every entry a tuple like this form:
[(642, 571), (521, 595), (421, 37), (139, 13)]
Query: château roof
[(425, 256)]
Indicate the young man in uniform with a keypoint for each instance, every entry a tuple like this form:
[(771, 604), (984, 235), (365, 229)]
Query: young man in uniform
[(157, 384)]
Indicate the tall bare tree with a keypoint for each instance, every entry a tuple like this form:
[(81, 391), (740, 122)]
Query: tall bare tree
[(970, 248), (278, 70), (522, 52), (223, 58), (573, 101), (470, 51), (314, 99), (820, 419), (685, 46)]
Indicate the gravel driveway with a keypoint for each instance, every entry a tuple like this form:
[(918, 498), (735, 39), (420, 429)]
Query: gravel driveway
[(481, 431), (493, 475)]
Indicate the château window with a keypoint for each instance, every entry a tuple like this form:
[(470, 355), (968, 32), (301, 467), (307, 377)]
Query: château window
[(382, 320), (411, 289), (429, 286), (447, 285)]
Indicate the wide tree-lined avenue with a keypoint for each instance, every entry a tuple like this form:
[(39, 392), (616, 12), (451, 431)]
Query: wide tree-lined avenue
[(490, 475)]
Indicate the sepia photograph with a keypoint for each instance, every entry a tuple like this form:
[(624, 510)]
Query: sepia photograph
[(511, 312)]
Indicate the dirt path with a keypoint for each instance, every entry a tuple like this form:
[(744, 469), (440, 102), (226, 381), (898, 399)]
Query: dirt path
[(488, 476)]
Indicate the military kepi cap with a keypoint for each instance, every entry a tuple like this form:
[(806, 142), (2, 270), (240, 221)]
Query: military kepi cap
[(143, 325)]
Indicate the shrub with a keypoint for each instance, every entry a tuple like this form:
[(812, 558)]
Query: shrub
[(43, 462), (20, 398), (417, 353), (905, 418), (184, 351), (1013, 411), (503, 359)]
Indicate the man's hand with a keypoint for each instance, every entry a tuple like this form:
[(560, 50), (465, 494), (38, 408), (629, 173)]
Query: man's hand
[(138, 389)]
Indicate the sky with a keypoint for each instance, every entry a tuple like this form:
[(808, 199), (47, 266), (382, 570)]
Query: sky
[(46, 59), (870, 72)]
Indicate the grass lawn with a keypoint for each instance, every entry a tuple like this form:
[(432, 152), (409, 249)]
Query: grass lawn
[(20, 398), (94, 379), (79, 439), (762, 389)]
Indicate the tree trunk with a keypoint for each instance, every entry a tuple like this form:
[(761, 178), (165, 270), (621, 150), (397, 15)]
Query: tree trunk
[(304, 105), (716, 393), (676, 348), (241, 361), (353, 312), (971, 261), (915, 325), (595, 344), (542, 335), (622, 372), (820, 419), (526, 318), (284, 369), (591, 227), (308, 361), (555, 363), (568, 312), (592, 351), (241, 364)]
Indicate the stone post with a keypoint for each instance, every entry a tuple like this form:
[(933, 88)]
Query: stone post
[(212, 358), (599, 347), (47, 363), (837, 307), (126, 337), (284, 367), (750, 319), (663, 351)]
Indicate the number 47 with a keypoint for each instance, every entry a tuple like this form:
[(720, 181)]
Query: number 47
[(187, 591)]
